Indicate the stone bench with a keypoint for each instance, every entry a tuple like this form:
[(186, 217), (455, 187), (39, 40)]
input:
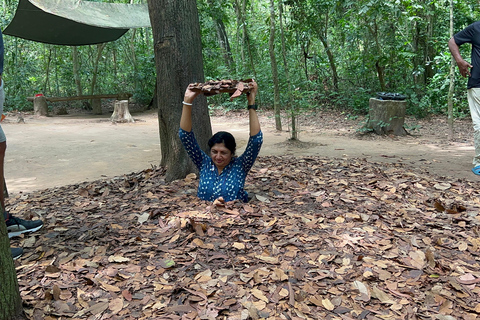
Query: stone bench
[(40, 107)]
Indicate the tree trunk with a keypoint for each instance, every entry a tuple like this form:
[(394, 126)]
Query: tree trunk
[(216, 14), (452, 82), (100, 48), (10, 300), (115, 64), (323, 35), (273, 64), (331, 61), (290, 104), (76, 72), (179, 61), (134, 58), (240, 11), (430, 50), (57, 80), (247, 43), (225, 45), (47, 68), (378, 65)]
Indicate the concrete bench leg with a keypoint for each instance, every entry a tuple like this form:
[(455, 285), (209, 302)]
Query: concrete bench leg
[(97, 106)]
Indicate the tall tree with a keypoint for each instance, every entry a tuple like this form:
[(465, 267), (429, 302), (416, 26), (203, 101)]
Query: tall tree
[(47, 67), (244, 38), (314, 17), (452, 81), (178, 59), (273, 64), (217, 15), (93, 85), (240, 8), (76, 71), (290, 104)]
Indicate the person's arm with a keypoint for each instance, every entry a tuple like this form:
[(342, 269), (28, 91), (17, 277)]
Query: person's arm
[(186, 119), (463, 66), (252, 113)]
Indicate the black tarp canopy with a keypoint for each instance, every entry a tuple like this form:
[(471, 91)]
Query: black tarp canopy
[(75, 22)]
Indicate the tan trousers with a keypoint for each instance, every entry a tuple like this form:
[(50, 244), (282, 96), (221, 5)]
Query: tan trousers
[(474, 104)]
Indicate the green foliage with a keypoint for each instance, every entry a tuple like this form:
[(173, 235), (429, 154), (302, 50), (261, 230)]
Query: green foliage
[(412, 126), (434, 99), (126, 65), (339, 54)]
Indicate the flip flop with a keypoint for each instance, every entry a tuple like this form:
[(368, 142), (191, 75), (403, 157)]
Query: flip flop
[(476, 170)]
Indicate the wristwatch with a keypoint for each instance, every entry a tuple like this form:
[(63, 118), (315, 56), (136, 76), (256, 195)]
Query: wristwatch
[(252, 106)]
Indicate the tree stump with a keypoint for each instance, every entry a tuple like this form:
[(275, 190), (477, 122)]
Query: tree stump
[(387, 116), (40, 107), (97, 106), (121, 112)]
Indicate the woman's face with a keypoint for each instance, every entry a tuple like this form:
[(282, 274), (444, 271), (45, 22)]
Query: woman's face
[(220, 155)]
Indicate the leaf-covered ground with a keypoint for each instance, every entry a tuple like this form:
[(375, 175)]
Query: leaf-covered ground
[(321, 239)]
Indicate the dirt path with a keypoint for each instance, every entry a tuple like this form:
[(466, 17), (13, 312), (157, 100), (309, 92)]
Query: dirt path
[(55, 151)]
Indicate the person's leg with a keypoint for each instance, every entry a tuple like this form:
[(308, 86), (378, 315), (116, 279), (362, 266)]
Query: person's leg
[(15, 226), (474, 104), (15, 252)]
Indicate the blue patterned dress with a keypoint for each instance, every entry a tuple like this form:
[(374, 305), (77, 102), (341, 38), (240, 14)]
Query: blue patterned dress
[(229, 184)]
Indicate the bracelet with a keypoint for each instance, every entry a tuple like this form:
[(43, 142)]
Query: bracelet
[(186, 103), (252, 106)]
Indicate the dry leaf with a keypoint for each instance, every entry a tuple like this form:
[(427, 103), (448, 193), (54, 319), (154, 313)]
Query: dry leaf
[(109, 287), (127, 295), (56, 292), (239, 246), (293, 256), (328, 305), (272, 260), (382, 296), (143, 217), (259, 295), (418, 259), (442, 186), (98, 308), (364, 292), (118, 259), (116, 305)]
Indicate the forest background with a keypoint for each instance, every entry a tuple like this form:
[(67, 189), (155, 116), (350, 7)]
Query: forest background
[(321, 237), (311, 53)]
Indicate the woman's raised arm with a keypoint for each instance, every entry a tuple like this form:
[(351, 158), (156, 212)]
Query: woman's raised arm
[(252, 111), (186, 119)]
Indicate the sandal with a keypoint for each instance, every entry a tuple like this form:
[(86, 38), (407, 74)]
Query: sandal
[(476, 170)]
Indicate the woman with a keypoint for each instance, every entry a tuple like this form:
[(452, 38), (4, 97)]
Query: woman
[(222, 175)]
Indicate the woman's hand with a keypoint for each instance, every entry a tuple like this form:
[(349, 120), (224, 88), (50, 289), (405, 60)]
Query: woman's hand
[(186, 118), (253, 93), (190, 95)]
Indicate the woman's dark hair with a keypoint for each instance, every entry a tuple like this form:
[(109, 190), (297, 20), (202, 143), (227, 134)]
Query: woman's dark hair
[(223, 137)]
